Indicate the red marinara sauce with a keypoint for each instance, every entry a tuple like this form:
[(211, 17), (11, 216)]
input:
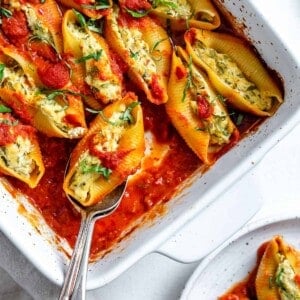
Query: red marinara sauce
[(153, 186)]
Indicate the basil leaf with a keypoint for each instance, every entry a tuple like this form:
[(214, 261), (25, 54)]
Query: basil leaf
[(137, 14), (95, 168), (127, 116), (100, 4), (4, 109), (5, 12), (80, 18), (2, 67), (96, 56)]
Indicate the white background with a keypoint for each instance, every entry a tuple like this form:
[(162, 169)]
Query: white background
[(278, 175)]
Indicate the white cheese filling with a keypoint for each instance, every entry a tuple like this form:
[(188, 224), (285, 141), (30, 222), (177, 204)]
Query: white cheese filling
[(178, 9), (17, 156), (231, 75), (110, 88), (217, 124), (284, 280), (132, 41)]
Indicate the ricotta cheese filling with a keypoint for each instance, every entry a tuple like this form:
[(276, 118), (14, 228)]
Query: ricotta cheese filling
[(56, 112), (109, 88), (174, 8), (82, 181), (16, 80), (88, 165), (17, 156), (284, 280), (217, 124), (36, 26), (230, 74), (132, 41)]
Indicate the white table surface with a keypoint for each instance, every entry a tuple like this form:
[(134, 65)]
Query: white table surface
[(156, 277)]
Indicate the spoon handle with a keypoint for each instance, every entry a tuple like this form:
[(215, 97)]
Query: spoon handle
[(80, 255)]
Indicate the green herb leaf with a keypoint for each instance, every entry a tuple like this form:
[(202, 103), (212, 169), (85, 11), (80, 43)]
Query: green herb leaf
[(4, 109), (100, 4), (42, 1), (157, 43), (95, 168), (80, 18), (92, 25), (127, 116), (5, 12), (239, 119), (2, 67), (96, 56), (133, 54), (137, 14)]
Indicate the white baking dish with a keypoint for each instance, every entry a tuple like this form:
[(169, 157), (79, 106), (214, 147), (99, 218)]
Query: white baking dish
[(194, 199)]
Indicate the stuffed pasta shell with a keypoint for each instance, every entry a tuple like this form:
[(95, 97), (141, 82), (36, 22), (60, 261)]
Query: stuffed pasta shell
[(94, 9), (278, 272), (39, 21), (196, 110), (235, 71), (187, 13), (145, 47), (57, 113), (91, 59), (110, 151), (20, 155)]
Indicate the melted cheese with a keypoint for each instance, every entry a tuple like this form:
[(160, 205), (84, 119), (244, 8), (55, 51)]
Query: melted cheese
[(17, 156), (230, 74), (139, 51)]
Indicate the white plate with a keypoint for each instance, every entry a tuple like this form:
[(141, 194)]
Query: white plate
[(233, 261)]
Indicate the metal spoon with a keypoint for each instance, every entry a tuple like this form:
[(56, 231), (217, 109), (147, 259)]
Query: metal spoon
[(77, 270)]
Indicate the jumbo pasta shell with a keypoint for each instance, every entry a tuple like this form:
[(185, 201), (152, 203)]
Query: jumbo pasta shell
[(23, 165), (269, 282), (235, 71), (130, 147), (91, 61), (90, 9), (134, 40), (50, 16), (190, 13), (197, 130)]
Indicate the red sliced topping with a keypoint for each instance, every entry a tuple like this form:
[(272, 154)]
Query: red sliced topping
[(43, 50), (191, 36), (73, 119), (54, 76), (109, 159), (180, 72), (10, 129), (205, 110), (297, 279), (15, 28), (137, 5), (84, 2), (156, 90)]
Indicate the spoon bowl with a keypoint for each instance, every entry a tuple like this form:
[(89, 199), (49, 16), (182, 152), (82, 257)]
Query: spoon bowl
[(77, 269)]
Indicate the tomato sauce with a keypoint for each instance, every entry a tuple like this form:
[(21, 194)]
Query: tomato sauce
[(152, 186)]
